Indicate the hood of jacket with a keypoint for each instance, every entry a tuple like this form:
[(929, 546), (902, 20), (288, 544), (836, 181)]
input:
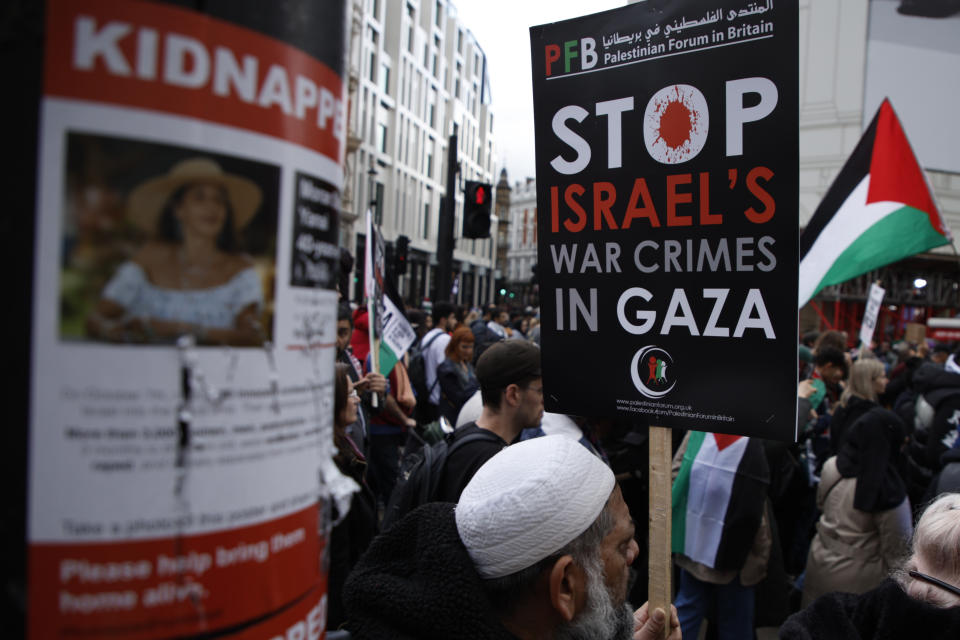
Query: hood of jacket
[(418, 581), (929, 377)]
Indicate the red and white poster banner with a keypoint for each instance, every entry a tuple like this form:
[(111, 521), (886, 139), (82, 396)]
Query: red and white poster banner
[(188, 189)]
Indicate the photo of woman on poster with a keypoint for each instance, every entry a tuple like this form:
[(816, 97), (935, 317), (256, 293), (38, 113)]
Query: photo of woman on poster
[(191, 276)]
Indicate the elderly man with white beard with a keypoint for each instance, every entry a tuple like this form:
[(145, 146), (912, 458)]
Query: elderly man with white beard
[(539, 547)]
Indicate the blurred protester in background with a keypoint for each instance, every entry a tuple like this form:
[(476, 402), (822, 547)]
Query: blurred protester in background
[(458, 381), (867, 381), (353, 534), (920, 601), (866, 519)]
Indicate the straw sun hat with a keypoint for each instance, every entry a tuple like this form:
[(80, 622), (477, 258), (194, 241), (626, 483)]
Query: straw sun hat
[(148, 199)]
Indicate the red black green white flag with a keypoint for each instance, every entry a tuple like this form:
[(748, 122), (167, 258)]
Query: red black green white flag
[(718, 499), (877, 211)]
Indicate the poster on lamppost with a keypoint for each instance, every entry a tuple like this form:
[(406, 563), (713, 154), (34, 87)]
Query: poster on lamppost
[(667, 163), (184, 318)]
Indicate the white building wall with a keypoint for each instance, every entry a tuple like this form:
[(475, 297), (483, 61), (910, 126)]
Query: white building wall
[(417, 75), (522, 252)]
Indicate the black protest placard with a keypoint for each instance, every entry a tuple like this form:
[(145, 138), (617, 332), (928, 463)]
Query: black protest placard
[(667, 190)]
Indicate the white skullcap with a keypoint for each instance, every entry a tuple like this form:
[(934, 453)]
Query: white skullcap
[(528, 501)]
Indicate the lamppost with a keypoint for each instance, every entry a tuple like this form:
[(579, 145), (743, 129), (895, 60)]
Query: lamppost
[(372, 174)]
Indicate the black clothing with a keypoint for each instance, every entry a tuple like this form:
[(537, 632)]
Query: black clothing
[(870, 453), (456, 387), (351, 537), (948, 480), (483, 337), (884, 612), (843, 418), (941, 389), (464, 462), (417, 582)]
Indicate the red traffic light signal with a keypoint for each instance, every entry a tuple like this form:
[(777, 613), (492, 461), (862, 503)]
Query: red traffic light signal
[(476, 209)]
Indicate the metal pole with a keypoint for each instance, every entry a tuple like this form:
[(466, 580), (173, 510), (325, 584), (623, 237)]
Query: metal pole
[(445, 228)]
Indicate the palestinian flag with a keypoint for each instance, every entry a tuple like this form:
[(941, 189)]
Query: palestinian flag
[(718, 499), (397, 333), (877, 211), (390, 332)]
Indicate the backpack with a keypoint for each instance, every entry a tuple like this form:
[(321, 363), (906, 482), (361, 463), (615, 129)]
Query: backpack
[(417, 370), (483, 337), (420, 471)]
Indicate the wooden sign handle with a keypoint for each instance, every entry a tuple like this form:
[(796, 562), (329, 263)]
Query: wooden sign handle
[(660, 563)]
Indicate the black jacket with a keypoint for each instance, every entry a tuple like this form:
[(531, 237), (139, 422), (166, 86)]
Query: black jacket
[(417, 582), (885, 612), (843, 418), (942, 390)]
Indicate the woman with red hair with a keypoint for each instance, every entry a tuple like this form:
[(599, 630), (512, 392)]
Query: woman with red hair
[(456, 376)]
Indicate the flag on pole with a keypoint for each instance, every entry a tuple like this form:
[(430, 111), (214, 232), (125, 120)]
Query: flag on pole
[(398, 334), (877, 211), (373, 286), (391, 334)]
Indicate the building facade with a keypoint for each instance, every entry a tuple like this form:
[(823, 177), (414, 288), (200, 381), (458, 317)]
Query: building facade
[(417, 77), (522, 243)]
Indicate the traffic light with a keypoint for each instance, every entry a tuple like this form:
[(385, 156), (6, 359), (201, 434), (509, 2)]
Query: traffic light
[(477, 197), (400, 255)]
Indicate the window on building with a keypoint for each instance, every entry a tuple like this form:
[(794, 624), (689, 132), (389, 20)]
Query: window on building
[(456, 80), (439, 14), (432, 108), (426, 221), (410, 24), (430, 146), (385, 78), (372, 65), (460, 40), (382, 137)]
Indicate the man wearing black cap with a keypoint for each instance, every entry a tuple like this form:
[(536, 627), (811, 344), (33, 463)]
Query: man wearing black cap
[(512, 393)]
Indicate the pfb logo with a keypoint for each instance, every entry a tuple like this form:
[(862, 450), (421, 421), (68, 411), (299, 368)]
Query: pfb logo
[(587, 55), (652, 372)]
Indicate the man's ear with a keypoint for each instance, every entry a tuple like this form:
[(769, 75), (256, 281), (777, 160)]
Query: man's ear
[(512, 395), (568, 588)]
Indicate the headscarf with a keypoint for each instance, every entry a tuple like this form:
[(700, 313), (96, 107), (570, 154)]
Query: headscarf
[(869, 453)]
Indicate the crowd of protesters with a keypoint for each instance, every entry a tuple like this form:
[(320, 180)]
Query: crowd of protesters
[(834, 513)]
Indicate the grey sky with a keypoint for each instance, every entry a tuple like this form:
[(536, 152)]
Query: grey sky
[(502, 29)]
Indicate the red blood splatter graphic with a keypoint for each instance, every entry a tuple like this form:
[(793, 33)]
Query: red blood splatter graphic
[(675, 124)]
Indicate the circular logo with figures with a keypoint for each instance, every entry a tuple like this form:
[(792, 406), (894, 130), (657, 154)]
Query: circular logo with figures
[(652, 372)]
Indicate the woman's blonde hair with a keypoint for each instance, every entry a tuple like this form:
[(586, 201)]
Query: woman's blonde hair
[(936, 540), (860, 383)]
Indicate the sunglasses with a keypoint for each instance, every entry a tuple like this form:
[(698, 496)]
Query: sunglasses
[(935, 581)]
